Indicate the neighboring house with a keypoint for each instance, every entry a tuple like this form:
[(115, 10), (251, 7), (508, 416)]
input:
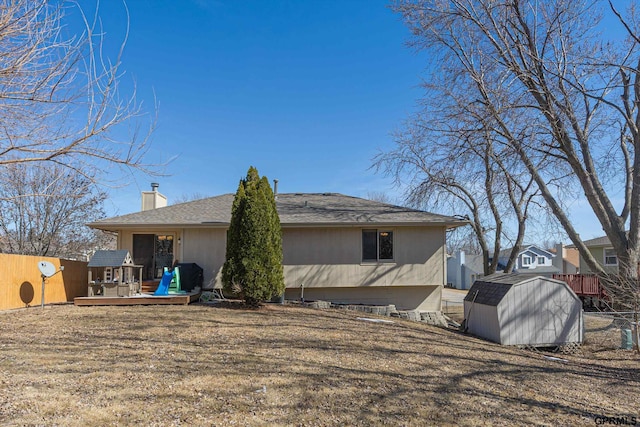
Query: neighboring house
[(569, 260), (530, 257), (603, 252), (340, 248), (463, 269)]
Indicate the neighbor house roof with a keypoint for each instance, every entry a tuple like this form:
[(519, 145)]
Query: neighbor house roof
[(602, 241), (295, 209), (505, 253), (598, 241), (546, 269)]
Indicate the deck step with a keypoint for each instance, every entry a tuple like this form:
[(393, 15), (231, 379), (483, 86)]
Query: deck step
[(149, 286)]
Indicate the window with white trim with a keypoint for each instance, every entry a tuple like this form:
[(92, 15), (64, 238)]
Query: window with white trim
[(377, 245), (610, 257), (526, 260), (541, 260)]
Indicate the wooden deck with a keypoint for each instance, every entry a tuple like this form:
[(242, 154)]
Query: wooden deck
[(142, 299), (584, 285)]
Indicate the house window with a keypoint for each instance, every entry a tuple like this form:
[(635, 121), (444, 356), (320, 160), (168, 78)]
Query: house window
[(541, 260), (377, 245), (610, 257), (526, 260)]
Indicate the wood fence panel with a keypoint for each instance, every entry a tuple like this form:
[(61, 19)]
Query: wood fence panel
[(21, 282)]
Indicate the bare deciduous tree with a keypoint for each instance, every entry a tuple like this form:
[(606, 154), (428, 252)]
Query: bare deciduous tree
[(185, 197), (379, 196), (563, 98), (578, 94), (44, 211), (452, 159), (60, 94)]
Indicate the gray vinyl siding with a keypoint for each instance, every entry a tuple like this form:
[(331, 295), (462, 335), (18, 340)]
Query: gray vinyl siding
[(535, 311), (331, 257), (482, 321)]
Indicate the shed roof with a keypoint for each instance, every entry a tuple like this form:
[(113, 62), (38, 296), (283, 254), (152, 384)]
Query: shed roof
[(294, 209), (111, 259), (490, 290)]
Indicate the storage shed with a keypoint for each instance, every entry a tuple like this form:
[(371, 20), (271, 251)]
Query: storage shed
[(524, 309)]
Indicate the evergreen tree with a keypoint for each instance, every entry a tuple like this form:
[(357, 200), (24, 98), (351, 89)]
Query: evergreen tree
[(253, 265)]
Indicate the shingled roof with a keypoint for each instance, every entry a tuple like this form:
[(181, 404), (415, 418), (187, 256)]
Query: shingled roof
[(598, 241), (490, 290), (111, 259), (295, 209), (602, 241)]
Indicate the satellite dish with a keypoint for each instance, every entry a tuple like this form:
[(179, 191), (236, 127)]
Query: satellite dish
[(46, 268)]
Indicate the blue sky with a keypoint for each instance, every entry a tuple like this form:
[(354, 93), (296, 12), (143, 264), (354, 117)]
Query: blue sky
[(306, 91)]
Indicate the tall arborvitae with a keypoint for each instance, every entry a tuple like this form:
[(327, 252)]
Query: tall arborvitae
[(253, 265)]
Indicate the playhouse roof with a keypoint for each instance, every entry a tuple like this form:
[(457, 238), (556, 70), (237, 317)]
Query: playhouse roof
[(117, 258)]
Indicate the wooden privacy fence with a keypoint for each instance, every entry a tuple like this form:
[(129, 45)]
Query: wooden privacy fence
[(21, 282)]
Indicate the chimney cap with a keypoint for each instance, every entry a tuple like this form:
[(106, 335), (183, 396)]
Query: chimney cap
[(154, 186)]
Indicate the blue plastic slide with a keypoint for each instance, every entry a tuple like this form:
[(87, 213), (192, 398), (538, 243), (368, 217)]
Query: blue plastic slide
[(163, 287)]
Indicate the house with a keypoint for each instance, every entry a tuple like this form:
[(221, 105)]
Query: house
[(569, 260), (603, 252), (530, 257), (524, 309), (463, 269), (335, 247)]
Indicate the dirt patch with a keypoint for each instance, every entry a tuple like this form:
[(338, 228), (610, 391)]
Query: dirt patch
[(281, 365)]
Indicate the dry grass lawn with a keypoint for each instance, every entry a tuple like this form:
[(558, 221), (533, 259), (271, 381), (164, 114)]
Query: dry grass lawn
[(286, 365)]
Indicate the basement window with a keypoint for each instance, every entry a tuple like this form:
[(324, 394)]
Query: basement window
[(377, 245)]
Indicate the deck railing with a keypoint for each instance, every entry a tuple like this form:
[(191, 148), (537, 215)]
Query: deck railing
[(582, 284)]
